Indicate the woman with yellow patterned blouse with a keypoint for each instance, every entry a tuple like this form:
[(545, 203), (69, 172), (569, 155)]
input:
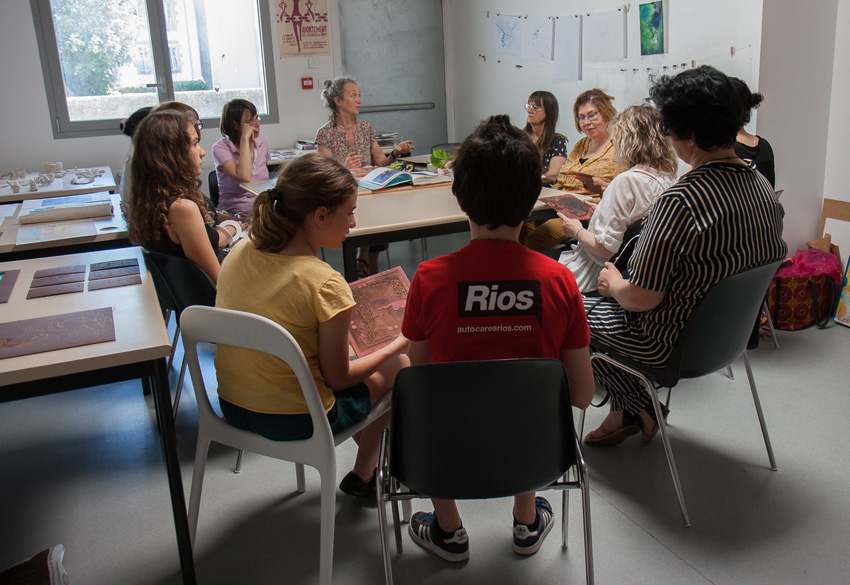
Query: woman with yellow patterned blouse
[(591, 164)]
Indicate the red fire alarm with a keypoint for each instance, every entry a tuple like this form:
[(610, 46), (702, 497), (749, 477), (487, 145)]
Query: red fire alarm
[(306, 83)]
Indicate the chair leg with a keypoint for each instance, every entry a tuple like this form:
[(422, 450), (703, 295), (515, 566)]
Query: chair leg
[(197, 485), (300, 482), (238, 469), (729, 372), (770, 326), (757, 403), (424, 249), (565, 515), (328, 518), (382, 512), (581, 424), (173, 348), (585, 513), (662, 427), (389, 262), (179, 386)]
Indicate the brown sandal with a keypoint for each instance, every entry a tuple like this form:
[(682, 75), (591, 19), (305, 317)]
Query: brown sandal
[(630, 427)]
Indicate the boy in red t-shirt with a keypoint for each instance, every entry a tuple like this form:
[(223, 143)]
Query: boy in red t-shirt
[(496, 299)]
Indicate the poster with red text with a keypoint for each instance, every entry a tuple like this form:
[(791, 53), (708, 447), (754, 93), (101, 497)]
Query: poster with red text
[(302, 28)]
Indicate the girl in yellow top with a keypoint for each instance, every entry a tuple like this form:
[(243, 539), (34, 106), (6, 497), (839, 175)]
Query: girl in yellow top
[(277, 274), (590, 166)]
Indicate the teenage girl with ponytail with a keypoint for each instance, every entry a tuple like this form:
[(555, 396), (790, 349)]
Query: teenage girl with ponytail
[(277, 274)]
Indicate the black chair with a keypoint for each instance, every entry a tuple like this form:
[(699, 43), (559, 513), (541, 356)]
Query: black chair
[(179, 283), (213, 186), (716, 334), (450, 147), (475, 405)]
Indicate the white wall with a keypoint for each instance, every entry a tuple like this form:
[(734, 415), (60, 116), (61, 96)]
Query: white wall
[(696, 30), (836, 184), (796, 78), (27, 138)]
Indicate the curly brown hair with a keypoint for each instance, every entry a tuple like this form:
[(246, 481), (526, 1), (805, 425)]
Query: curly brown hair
[(306, 184), (161, 169)]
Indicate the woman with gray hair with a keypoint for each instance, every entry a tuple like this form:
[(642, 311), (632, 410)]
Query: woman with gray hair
[(346, 139)]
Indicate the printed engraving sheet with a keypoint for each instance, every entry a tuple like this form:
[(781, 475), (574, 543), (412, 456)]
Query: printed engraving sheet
[(569, 205), (380, 309), (56, 332)]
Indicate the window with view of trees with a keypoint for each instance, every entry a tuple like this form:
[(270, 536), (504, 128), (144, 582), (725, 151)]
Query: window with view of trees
[(104, 59)]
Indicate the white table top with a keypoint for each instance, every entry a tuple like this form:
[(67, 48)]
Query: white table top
[(58, 187), (105, 229), (406, 207), (140, 333)]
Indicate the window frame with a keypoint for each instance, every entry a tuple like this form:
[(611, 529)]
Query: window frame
[(54, 84)]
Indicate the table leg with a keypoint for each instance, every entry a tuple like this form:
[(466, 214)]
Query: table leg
[(349, 261), (162, 403)]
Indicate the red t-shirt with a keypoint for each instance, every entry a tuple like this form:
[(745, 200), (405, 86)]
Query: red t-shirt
[(495, 300)]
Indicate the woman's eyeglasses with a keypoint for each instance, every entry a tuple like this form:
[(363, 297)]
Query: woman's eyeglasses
[(533, 108), (590, 117)]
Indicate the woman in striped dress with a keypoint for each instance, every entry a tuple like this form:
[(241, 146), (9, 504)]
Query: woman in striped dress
[(721, 218)]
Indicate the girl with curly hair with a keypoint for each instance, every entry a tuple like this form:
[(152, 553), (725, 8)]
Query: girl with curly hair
[(167, 211)]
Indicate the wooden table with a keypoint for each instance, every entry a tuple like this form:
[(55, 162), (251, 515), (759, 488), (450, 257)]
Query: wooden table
[(102, 233), (59, 187), (140, 349)]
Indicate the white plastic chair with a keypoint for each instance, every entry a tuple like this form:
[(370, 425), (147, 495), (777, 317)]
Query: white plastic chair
[(237, 328)]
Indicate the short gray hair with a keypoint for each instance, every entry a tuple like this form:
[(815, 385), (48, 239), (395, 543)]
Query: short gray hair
[(332, 88)]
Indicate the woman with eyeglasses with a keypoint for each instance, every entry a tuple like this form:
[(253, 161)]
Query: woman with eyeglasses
[(168, 213), (240, 156), (591, 165), (542, 110)]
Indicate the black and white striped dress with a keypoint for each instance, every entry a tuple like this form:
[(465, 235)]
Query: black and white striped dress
[(719, 219)]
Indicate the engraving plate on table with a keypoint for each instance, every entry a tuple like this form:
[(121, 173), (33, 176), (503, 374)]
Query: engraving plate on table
[(569, 205), (377, 318)]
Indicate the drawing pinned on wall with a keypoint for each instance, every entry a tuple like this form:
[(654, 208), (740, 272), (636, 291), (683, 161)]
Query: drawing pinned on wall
[(567, 48), (652, 28), (537, 36), (302, 28), (604, 35), (508, 35)]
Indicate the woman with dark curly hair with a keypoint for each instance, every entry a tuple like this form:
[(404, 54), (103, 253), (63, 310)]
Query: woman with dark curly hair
[(750, 146), (167, 209), (721, 218)]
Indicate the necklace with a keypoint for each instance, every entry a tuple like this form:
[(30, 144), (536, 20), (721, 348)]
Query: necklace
[(348, 128)]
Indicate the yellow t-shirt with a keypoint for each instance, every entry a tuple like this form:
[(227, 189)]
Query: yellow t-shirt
[(299, 292), (605, 166)]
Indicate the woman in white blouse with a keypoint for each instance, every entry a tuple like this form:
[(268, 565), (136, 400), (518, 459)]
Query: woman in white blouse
[(651, 162)]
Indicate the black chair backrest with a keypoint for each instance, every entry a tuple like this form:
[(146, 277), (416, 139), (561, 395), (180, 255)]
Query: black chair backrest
[(719, 329), (484, 429), (450, 147), (627, 246), (213, 186), (179, 282)]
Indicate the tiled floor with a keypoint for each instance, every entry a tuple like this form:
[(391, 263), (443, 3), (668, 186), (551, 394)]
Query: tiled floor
[(84, 469)]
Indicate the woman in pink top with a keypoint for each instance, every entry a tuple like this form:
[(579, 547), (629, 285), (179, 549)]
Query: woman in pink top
[(241, 156)]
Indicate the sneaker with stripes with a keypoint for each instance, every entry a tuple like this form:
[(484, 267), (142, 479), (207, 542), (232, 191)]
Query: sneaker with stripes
[(528, 540), (423, 530)]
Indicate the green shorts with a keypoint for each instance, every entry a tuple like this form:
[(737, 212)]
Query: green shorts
[(352, 406)]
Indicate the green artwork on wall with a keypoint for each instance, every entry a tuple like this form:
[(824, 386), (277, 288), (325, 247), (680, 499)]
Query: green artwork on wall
[(651, 28)]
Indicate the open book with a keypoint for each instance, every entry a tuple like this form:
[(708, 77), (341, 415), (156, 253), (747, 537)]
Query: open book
[(377, 318), (382, 177)]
